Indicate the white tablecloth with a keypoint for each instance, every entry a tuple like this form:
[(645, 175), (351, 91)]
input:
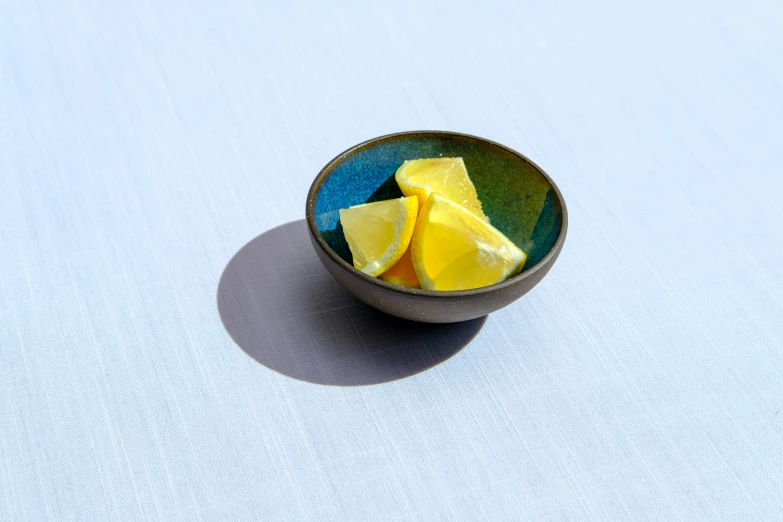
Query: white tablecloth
[(145, 143)]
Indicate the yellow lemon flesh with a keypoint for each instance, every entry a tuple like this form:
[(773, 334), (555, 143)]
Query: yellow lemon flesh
[(379, 233), (402, 273), (453, 249), (447, 177)]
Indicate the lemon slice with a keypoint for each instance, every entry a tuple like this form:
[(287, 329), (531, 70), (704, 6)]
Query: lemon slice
[(379, 233), (453, 249), (445, 176), (402, 273)]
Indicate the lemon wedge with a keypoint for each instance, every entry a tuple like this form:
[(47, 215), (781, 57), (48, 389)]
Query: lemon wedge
[(402, 273), (453, 249), (379, 233), (445, 176)]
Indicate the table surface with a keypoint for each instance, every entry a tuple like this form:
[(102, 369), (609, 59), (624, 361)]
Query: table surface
[(144, 144)]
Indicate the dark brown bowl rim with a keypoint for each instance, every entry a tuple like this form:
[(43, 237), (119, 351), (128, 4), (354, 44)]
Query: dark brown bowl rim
[(327, 170)]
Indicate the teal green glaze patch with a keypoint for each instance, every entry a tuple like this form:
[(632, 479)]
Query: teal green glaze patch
[(335, 238), (388, 190), (546, 230), (515, 196)]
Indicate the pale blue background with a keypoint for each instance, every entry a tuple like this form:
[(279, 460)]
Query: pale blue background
[(143, 143)]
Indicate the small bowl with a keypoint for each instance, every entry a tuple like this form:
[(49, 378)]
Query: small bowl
[(519, 198)]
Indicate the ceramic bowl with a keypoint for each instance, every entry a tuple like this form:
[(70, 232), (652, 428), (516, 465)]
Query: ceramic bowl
[(519, 198)]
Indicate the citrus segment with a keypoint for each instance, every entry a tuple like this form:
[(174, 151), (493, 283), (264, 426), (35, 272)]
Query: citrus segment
[(453, 249), (402, 273), (447, 177), (379, 233)]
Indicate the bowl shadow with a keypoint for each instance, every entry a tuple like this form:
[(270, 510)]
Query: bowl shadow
[(281, 306)]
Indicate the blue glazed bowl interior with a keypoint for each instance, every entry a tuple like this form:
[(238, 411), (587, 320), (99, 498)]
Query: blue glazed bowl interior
[(515, 194)]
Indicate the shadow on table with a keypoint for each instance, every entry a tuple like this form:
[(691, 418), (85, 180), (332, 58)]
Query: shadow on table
[(281, 306)]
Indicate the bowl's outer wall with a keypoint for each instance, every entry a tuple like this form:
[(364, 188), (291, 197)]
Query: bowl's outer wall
[(432, 309), (518, 199)]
